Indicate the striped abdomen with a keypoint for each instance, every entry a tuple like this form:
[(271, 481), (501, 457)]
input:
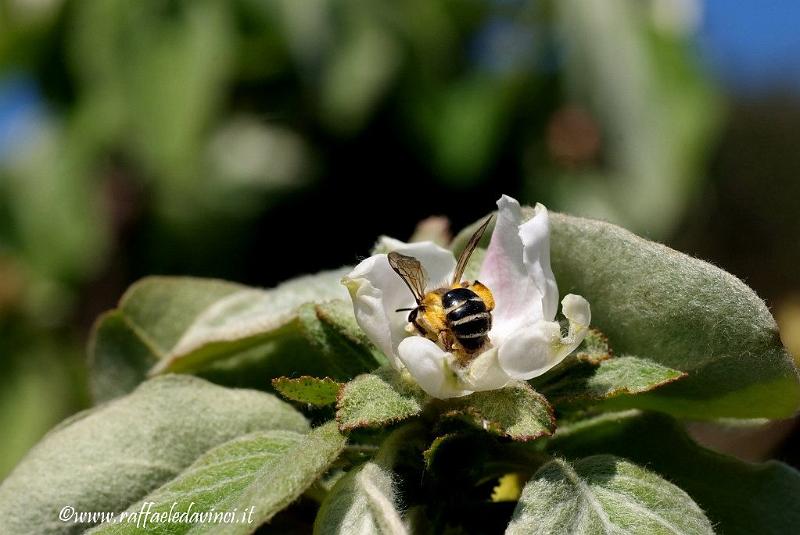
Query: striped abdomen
[(467, 317)]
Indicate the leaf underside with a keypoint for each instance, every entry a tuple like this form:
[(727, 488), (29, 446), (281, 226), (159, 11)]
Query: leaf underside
[(605, 495), (106, 458), (266, 471), (362, 502), (228, 333), (740, 498)]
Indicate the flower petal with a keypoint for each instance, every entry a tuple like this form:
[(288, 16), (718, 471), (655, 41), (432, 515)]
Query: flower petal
[(576, 309), (377, 292), (372, 286), (517, 269), (431, 367), (438, 262), (484, 373), (533, 350), (535, 234)]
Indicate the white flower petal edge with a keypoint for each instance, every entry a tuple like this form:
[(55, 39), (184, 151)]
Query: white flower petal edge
[(377, 292), (534, 349), (517, 269), (484, 373), (432, 368)]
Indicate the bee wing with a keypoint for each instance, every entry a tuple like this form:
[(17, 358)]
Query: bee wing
[(468, 250), (410, 270)]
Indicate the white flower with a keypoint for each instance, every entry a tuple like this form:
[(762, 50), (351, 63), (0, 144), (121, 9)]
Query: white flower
[(525, 340)]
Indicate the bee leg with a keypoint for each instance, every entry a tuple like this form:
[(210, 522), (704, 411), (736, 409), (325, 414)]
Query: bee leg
[(446, 340), (449, 343)]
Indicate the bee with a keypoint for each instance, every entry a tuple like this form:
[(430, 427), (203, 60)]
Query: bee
[(459, 316)]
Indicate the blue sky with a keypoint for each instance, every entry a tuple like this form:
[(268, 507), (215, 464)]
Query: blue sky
[(753, 45)]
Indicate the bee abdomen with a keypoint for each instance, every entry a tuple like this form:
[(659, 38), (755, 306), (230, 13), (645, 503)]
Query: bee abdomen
[(467, 317)]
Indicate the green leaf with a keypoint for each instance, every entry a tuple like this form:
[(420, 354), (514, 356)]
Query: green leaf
[(682, 313), (739, 497), (594, 348), (429, 455), (604, 494), (679, 312), (584, 382), (516, 411), (266, 471), (377, 399), (593, 374), (313, 390), (108, 457), (228, 333), (364, 501)]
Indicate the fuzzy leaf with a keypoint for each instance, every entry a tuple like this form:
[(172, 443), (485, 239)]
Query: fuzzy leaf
[(267, 471), (582, 381), (594, 348), (228, 333), (740, 498), (677, 311), (516, 411), (106, 458), (376, 399), (680, 312), (361, 503), (364, 500), (306, 389), (433, 449), (604, 495)]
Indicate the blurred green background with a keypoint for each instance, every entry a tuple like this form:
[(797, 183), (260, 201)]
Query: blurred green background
[(255, 140)]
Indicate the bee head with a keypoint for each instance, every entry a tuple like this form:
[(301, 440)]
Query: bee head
[(412, 314)]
